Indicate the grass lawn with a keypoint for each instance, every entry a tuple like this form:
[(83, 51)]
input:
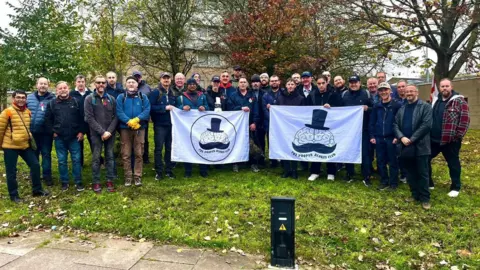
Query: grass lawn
[(346, 225)]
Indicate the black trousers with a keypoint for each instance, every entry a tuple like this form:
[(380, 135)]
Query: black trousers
[(417, 177), (451, 153), (146, 152)]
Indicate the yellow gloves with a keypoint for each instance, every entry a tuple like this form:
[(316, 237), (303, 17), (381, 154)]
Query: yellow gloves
[(136, 126), (134, 123)]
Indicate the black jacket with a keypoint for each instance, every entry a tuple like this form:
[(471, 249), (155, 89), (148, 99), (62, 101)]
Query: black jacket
[(422, 123), (299, 89), (236, 101), (290, 99), (114, 92), (211, 97), (81, 100), (359, 98), (64, 118), (316, 98)]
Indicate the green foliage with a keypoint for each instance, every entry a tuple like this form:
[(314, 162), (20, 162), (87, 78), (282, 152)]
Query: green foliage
[(161, 30), (47, 40), (108, 49), (346, 225)]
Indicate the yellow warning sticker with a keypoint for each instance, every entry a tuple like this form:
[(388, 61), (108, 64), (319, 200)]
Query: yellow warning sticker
[(282, 228)]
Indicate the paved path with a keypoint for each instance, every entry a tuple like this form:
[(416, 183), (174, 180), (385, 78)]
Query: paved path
[(42, 250)]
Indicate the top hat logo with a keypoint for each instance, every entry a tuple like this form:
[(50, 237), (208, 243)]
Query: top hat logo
[(215, 125), (318, 120), (315, 137)]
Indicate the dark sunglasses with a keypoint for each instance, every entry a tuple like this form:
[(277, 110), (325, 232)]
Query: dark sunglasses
[(101, 82)]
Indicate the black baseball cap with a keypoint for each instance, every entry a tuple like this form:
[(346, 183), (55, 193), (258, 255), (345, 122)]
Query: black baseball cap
[(354, 78), (306, 74), (216, 78)]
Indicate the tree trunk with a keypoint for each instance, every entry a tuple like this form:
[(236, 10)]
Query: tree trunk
[(442, 67)]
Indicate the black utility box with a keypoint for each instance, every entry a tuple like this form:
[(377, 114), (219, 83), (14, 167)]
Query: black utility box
[(283, 232)]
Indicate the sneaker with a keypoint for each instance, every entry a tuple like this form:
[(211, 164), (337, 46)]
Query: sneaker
[(80, 187), (453, 194), (235, 168), (65, 186), (204, 174), (110, 186), (382, 187), (313, 177), (97, 188), (426, 205), (128, 182), (170, 175), (431, 188), (40, 193), (138, 182), (188, 175), (158, 177), (367, 182), (403, 179), (285, 175), (16, 199), (331, 177), (255, 168), (348, 178)]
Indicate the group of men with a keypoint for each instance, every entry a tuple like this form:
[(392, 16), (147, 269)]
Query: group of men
[(405, 132)]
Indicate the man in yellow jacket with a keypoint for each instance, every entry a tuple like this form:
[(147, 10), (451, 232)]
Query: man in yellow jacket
[(15, 138)]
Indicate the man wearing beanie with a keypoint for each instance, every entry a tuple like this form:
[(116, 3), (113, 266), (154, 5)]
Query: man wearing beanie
[(133, 112)]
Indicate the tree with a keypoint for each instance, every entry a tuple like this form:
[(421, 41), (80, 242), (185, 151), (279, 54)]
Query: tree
[(47, 41), (449, 28), (286, 36), (161, 30), (108, 48)]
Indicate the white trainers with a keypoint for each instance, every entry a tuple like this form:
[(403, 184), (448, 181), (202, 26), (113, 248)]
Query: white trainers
[(313, 177), (453, 194), (331, 177)]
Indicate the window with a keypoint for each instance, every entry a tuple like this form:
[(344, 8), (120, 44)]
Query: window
[(208, 60)]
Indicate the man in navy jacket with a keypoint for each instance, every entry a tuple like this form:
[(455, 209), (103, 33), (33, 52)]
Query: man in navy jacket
[(383, 137)]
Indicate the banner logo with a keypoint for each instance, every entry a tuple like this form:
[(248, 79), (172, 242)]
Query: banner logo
[(217, 137), (315, 137)]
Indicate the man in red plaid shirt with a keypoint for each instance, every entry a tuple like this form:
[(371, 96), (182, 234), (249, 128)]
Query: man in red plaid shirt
[(450, 124)]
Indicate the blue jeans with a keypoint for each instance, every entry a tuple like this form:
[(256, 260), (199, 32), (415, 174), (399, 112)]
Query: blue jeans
[(63, 146), (44, 148), (365, 158), (387, 154)]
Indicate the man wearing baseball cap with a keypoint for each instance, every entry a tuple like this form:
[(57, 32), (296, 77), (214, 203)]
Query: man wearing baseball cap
[(306, 86), (162, 100), (213, 92), (383, 137), (357, 96), (237, 72)]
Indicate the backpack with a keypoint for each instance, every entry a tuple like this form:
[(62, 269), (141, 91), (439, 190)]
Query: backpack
[(140, 95), (94, 100)]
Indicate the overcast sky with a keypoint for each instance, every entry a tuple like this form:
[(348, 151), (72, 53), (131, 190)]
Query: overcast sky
[(405, 72)]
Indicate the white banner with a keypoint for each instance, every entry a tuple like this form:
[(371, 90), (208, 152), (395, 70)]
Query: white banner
[(209, 137), (313, 133)]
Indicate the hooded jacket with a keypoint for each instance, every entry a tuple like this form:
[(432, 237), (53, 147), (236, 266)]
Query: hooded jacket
[(316, 98), (228, 89), (456, 118), (236, 101), (38, 109), (187, 99), (212, 96), (144, 88)]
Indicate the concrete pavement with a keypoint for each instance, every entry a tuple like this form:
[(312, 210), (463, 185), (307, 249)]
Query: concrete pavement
[(49, 250)]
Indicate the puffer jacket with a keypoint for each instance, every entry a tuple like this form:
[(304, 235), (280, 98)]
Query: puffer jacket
[(38, 109), (13, 134), (382, 118)]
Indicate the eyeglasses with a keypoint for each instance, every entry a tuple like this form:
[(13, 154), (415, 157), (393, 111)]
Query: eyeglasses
[(20, 97), (100, 82)]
